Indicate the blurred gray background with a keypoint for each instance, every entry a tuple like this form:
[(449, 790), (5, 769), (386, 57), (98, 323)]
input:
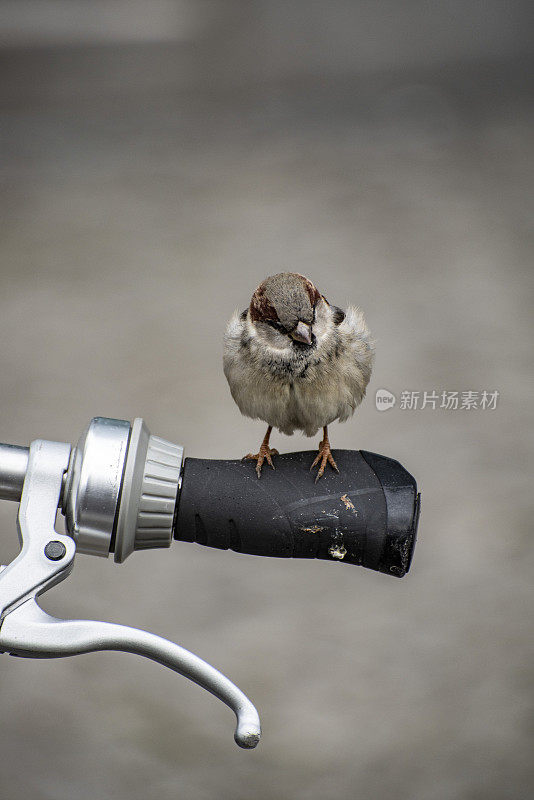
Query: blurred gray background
[(158, 160)]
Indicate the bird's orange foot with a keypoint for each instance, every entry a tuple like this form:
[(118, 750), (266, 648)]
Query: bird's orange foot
[(324, 456), (264, 454)]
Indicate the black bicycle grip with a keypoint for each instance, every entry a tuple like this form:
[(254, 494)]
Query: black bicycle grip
[(366, 514)]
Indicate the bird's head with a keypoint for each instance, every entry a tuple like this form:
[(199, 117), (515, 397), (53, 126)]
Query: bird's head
[(286, 309)]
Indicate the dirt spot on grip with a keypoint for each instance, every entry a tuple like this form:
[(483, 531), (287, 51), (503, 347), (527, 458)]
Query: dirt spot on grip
[(313, 529), (349, 505)]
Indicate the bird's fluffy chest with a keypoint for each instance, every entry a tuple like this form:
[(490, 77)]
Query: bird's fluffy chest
[(293, 389)]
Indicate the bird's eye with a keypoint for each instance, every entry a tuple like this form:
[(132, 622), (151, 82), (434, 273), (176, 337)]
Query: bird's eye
[(276, 325), (339, 315)]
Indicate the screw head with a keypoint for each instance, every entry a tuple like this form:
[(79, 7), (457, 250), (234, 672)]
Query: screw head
[(55, 550)]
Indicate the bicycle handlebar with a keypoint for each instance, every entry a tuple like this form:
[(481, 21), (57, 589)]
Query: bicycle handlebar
[(366, 515), (122, 489)]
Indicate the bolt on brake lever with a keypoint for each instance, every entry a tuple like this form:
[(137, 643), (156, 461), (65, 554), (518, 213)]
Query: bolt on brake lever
[(117, 489)]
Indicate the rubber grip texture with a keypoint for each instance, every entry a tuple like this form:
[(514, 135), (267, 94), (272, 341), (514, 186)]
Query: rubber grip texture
[(366, 515)]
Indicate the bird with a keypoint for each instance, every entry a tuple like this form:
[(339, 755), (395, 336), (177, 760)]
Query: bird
[(297, 362)]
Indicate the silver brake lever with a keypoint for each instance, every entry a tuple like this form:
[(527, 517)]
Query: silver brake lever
[(29, 631), (46, 558)]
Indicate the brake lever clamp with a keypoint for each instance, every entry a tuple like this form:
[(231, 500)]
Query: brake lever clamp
[(117, 489)]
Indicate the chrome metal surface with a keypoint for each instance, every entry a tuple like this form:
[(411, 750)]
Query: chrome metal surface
[(94, 482), (25, 629), (13, 465), (31, 572), (29, 631)]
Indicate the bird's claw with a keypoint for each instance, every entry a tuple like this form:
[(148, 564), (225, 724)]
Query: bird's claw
[(324, 456), (264, 454)]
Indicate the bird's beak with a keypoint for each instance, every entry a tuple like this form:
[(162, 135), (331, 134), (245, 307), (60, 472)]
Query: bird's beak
[(302, 333)]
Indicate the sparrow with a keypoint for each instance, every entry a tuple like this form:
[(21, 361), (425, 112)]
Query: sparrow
[(297, 362)]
